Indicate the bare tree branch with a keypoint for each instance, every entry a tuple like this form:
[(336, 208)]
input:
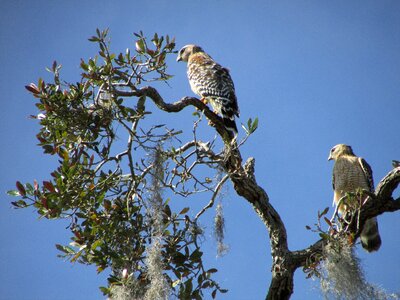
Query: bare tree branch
[(285, 262), (212, 200)]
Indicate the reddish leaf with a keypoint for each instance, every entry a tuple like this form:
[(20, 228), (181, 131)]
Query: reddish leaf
[(77, 234), (91, 160), (44, 202), (184, 211), (32, 88), (54, 67), (35, 185), (150, 52), (21, 189), (41, 139), (107, 204), (47, 107), (328, 221), (49, 186)]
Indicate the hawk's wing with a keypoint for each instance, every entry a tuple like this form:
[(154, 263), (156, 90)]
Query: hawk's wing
[(367, 172)]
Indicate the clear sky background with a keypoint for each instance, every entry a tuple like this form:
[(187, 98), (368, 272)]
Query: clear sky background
[(315, 73)]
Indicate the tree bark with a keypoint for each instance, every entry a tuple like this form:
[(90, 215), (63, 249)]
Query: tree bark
[(284, 261)]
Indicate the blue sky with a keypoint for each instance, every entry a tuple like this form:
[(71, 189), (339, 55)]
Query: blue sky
[(315, 73)]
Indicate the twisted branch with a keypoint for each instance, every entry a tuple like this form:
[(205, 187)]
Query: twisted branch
[(177, 106), (285, 262)]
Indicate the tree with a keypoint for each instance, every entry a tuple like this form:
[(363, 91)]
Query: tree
[(119, 198)]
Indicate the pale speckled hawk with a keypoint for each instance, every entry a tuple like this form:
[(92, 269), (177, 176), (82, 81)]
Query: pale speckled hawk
[(351, 173), (212, 83)]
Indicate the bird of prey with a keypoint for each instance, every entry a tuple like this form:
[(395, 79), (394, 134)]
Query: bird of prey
[(212, 83), (351, 173)]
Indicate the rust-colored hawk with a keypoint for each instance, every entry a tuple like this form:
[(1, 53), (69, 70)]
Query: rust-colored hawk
[(352, 173), (212, 83)]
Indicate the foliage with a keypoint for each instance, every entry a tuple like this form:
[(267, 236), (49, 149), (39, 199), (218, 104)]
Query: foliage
[(120, 173), (119, 218)]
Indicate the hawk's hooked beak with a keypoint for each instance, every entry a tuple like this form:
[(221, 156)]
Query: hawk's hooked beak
[(179, 58), (330, 157)]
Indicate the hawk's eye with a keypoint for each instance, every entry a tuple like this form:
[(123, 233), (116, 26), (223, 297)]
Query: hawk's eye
[(332, 150)]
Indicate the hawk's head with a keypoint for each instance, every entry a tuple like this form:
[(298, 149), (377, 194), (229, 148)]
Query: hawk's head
[(186, 51), (339, 150)]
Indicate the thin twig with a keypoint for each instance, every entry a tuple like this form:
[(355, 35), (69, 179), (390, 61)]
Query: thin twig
[(335, 213), (216, 192)]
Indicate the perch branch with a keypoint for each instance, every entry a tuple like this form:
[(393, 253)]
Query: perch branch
[(284, 262)]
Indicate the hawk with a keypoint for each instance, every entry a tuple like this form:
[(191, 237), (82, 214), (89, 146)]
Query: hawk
[(351, 173), (212, 83)]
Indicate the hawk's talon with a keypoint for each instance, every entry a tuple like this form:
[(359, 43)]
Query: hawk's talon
[(204, 100)]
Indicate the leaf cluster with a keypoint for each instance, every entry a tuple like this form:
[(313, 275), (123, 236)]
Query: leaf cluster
[(106, 193)]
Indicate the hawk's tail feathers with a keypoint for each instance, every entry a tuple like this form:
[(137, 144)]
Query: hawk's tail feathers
[(370, 238), (230, 125)]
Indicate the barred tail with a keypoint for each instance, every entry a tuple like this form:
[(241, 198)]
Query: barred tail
[(370, 238), (230, 124)]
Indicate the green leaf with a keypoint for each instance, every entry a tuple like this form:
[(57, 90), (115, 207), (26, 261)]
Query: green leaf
[(155, 39), (29, 188), (176, 282), (179, 258), (84, 65), (19, 204), (13, 193), (324, 236), (167, 211), (106, 291), (254, 125), (188, 287), (324, 212), (65, 249), (96, 244), (196, 255), (140, 46), (249, 122), (76, 256), (48, 149)]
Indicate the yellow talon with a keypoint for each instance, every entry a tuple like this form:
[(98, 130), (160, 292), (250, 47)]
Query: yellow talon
[(204, 100)]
